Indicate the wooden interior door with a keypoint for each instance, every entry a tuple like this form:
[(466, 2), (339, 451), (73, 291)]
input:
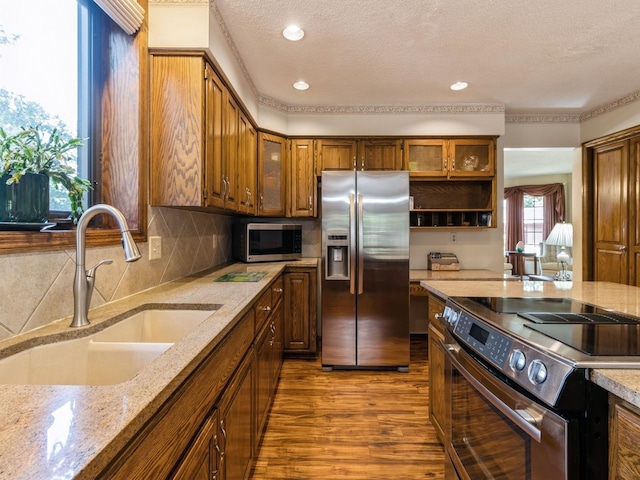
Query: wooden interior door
[(611, 194)]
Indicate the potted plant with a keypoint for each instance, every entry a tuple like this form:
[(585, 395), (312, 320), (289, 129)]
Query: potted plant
[(28, 161)]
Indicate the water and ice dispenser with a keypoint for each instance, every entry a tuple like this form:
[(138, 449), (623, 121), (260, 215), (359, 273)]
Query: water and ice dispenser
[(337, 255)]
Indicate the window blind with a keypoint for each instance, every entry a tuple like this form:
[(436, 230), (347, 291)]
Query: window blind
[(128, 14)]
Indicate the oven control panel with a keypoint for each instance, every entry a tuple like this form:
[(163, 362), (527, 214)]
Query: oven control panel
[(538, 372), (491, 344)]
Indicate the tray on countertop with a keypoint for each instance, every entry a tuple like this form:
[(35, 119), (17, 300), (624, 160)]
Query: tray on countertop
[(241, 277)]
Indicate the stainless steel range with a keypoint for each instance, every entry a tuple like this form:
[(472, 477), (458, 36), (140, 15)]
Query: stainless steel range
[(521, 405)]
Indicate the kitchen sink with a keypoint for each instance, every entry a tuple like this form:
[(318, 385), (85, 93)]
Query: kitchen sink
[(153, 326), (110, 356)]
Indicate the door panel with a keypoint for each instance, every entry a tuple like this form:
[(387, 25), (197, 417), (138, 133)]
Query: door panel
[(383, 305), (610, 213)]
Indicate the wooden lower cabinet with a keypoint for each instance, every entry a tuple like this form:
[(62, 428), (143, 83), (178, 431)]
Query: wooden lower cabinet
[(300, 316), (624, 441), (202, 461), (207, 429), (268, 361), (437, 404), (236, 424)]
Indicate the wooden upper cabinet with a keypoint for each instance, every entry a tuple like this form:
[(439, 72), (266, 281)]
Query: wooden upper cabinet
[(247, 167), (214, 103), (359, 154), (379, 155), (462, 157), (334, 154), (302, 181), (271, 175), (195, 139), (178, 129)]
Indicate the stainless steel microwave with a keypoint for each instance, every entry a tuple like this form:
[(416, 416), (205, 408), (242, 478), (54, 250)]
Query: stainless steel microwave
[(267, 242)]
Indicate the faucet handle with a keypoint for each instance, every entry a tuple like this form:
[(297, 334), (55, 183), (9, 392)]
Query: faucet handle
[(91, 273)]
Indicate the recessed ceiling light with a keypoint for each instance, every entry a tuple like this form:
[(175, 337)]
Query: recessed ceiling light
[(459, 86), (293, 33), (301, 85)]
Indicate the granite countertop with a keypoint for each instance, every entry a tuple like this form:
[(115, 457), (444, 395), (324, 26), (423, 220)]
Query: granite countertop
[(624, 383), (417, 275), (62, 432)]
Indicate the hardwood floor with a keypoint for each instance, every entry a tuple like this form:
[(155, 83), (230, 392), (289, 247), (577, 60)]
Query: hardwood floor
[(351, 424)]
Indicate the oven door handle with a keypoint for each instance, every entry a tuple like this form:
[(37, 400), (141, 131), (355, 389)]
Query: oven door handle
[(523, 418)]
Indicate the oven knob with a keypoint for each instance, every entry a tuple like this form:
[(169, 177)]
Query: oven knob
[(537, 372), (517, 360)]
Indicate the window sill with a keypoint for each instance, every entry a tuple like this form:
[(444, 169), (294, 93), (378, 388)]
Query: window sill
[(22, 242)]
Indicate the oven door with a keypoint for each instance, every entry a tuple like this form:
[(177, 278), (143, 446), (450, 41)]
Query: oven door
[(495, 432)]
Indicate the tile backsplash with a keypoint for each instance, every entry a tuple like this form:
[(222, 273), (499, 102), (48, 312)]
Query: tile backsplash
[(36, 288)]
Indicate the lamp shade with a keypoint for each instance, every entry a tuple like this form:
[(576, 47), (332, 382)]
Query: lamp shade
[(562, 235)]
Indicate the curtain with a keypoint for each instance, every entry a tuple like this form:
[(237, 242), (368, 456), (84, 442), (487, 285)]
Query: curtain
[(128, 14), (554, 209)]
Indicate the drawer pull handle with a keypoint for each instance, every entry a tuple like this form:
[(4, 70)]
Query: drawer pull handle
[(278, 290), (267, 308)]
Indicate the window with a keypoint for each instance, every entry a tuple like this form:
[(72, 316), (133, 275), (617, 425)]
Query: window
[(47, 75), (533, 222)]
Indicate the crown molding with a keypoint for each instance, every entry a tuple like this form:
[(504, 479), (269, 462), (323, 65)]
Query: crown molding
[(381, 109), (540, 118), (632, 97)]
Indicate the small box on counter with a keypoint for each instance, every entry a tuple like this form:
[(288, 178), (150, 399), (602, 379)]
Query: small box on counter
[(442, 261)]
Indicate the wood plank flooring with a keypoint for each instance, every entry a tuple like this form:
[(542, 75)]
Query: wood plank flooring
[(351, 424)]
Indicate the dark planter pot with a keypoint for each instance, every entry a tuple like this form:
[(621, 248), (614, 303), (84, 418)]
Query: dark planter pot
[(25, 202)]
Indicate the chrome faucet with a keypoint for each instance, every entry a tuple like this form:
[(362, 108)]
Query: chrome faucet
[(84, 280)]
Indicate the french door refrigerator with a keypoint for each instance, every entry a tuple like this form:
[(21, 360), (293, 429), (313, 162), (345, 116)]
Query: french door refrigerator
[(365, 269)]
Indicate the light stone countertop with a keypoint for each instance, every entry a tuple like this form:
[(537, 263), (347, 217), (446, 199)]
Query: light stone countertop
[(64, 432), (623, 298), (417, 275)]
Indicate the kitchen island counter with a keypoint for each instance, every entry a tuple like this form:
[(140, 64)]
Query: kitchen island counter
[(624, 383), (418, 275)]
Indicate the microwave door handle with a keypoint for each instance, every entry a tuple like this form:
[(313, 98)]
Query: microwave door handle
[(360, 244), (522, 418), (352, 244)]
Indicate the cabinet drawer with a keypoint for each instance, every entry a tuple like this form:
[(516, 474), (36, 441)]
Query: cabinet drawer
[(436, 306), (277, 289), (263, 308)]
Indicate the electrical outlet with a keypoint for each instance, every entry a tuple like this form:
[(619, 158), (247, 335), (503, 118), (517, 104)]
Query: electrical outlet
[(453, 238), (215, 241), (155, 248)]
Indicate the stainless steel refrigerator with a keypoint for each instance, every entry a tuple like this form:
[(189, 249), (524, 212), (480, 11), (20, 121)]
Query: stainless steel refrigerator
[(365, 269)]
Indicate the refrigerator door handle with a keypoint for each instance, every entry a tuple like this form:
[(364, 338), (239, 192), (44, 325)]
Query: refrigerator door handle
[(360, 244), (352, 244)]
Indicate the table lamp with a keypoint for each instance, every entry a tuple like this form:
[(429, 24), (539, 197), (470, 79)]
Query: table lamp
[(562, 236)]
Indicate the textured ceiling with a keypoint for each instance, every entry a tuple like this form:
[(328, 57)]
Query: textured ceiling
[(543, 56)]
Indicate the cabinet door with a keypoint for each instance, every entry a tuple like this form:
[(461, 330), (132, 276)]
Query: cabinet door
[(236, 424), (278, 344), (624, 443), (471, 157), (634, 213), (231, 118), (611, 176), (201, 460), (302, 180), (426, 157), (336, 154), (214, 105), (379, 155), (300, 311), (176, 143), (271, 180), (263, 361), (247, 166), (437, 405)]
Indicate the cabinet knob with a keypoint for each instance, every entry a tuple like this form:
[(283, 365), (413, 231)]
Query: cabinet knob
[(278, 290), (266, 308)]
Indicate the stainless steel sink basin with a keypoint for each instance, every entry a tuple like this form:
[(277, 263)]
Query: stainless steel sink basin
[(110, 356)]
